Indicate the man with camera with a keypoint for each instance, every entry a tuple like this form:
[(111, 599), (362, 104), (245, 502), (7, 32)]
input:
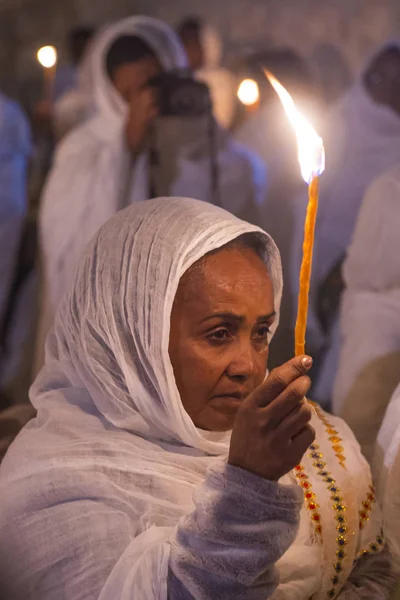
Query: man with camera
[(151, 133)]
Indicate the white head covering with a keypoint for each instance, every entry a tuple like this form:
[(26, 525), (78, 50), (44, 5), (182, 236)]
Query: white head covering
[(95, 92), (117, 344), (112, 459)]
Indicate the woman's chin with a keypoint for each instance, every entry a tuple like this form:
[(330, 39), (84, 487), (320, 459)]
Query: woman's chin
[(218, 420)]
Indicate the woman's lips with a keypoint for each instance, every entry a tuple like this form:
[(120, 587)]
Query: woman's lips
[(228, 403)]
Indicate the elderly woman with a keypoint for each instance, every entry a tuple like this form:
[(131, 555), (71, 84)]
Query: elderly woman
[(162, 462)]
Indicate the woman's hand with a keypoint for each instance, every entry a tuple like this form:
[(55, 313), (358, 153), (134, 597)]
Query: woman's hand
[(143, 110), (272, 431)]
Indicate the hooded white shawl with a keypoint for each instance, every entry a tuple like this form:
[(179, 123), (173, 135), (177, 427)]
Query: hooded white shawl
[(114, 456), (94, 176), (369, 358)]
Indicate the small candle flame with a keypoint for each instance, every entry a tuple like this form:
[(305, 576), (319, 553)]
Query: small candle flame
[(248, 92), (310, 146), (47, 56)]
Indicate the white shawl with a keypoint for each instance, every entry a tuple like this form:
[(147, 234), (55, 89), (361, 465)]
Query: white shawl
[(113, 459)]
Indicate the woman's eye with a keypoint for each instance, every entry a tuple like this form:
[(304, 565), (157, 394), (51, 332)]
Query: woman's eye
[(220, 335), (263, 332)]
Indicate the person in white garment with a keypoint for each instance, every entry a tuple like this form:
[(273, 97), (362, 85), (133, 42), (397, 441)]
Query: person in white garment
[(369, 343), (109, 163), (204, 48), (163, 463), (15, 150), (362, 141)]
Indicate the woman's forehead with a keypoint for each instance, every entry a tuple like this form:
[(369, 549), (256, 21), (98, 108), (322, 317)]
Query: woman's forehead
[(230, 275)]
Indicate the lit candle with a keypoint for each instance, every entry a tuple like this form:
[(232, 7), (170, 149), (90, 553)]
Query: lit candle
[(249, 93), (47, 57), (312, 162)]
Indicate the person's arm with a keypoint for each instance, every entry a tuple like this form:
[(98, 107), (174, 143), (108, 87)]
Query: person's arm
[(371, 579), (241, 526)]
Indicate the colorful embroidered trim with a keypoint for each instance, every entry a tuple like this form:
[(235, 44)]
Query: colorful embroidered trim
[(334, 435), (366, 507), (309, 497), (374, 547), (339, 509)]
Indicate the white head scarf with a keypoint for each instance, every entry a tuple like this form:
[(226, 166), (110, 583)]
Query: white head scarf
[(112, 459), (116, 344)]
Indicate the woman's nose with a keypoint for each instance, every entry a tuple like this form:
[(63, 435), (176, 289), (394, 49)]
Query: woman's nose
[(245, 362)]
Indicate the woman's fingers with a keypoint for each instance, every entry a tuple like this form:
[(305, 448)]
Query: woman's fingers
[(279, 379), (295, 421), (301, 442), (280, 408)]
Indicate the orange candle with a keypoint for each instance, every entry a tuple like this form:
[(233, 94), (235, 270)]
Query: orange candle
[(306, 266), (312, 163)]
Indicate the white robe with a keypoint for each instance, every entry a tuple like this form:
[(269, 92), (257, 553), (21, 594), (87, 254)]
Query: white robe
[(93, 489), (93, 175), (369, 345)]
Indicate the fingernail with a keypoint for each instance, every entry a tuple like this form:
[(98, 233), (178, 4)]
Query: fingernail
[(307, 362)]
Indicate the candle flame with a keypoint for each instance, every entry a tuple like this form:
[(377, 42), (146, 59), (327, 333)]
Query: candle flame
[(248, 92), (47, 56), (310, 146)]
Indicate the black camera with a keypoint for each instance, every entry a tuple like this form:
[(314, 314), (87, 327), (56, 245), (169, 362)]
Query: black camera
[(179, 95)]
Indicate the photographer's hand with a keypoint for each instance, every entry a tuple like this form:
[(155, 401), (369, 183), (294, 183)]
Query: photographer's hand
[(143, 110)]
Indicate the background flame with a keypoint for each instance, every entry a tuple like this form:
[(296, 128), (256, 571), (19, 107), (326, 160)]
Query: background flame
[(310, 146), (47, 56)]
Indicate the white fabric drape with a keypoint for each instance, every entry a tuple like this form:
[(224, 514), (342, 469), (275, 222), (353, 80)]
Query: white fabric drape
[(112, 458), (369, 359)]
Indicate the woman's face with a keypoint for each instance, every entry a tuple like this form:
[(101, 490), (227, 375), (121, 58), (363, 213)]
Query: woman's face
[(222, 313)]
